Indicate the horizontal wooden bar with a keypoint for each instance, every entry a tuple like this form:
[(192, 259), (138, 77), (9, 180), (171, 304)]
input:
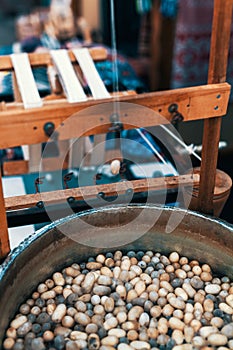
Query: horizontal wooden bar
[(19, 167), (15, 167), (90, 192), (72, 120), (44, 59)]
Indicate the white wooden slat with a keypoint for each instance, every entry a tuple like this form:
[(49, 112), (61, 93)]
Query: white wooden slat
[(25, 80), (25, 150), (91, 74), (70, 83)]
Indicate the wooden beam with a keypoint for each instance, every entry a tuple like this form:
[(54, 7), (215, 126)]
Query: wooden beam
[(77, 8), (155, 45), (193, 103), (4, 239), (162, 39), (220, 40), (44, 59), (15, 167), (89, 192)]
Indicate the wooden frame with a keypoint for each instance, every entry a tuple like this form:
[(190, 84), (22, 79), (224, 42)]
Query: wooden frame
[(207, 102), (194, 103), (109, 190)]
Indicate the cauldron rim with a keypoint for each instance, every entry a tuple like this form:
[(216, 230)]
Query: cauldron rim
[(198, 236), (38, 233)]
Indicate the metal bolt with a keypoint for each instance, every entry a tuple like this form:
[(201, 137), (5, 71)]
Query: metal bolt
[(49, 128), (129, 191), (101, 195), (114, 118), (40, 205), (173, 108), (71, 200), (177, 118)]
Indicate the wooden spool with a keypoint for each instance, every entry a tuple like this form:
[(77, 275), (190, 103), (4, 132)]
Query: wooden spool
[(222, 189)]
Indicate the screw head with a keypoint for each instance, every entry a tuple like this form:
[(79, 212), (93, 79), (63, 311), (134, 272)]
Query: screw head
[(71, 200), (49, 128), (129, 191), (101, 195), (173, 108), (40, 205)]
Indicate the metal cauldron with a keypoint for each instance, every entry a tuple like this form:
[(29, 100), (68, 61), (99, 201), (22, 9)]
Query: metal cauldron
[(48, 250)]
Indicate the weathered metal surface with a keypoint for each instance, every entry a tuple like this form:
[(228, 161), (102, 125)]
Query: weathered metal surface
[(197, 236)]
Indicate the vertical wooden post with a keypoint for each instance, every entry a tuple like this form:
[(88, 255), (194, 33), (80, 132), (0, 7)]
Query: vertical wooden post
[(155, 47), (76, 6), (4, 238), (220, 39), (162, 38)]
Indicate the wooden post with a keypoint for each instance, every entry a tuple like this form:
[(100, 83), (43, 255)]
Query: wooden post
[(76, 6), (161, 48), (155, 47), (220, 39), (4, 238)]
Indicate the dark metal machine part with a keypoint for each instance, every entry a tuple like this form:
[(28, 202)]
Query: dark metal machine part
[(197, 236)]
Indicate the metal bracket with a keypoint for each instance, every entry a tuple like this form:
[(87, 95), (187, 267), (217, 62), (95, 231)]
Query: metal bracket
[(38, 181), (117, 126), (66, 178)]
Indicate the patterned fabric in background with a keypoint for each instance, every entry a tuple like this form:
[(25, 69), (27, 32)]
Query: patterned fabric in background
[(128, 80), (192, 44)]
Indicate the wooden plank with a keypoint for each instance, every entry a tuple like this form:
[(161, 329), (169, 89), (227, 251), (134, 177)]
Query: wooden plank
[(88, 192), (91, 74), (193, 103), (15, 167), (19, 167), (44, 59), (220, 40), (25, 81), (4, 239), (94, 82), (69, 80)]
